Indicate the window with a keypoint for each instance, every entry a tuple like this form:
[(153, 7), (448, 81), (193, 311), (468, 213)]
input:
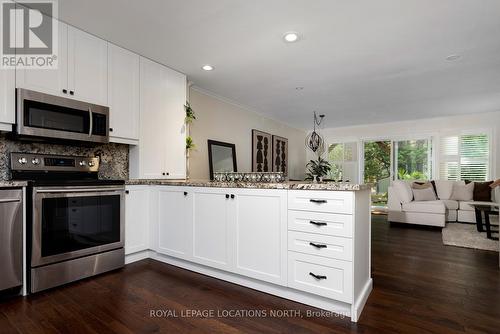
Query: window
[(464, 157), (343, 158)]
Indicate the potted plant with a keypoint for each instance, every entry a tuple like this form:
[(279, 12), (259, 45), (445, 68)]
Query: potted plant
[(190, 117), (189, 143), (317, 169)]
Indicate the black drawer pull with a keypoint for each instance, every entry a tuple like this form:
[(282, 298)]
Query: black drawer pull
[(317, 245), (185, 193), (127, 192), (319, 201), (232, 196), (227, 195), (320, 277), (317, 223)]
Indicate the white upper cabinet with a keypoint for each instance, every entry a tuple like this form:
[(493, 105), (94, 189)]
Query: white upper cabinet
[(123, 95), (49, 81), (161, 152), (82, 71), (7, 99), (87, 67)]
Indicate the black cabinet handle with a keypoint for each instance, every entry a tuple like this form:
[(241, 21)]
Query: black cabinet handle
[(185, 193), (127, 192), (162, 173), (110, 129), (317, 245), (65, 91), (227, 195), (168, 173), (320, 277), (317, 223), (319, 201), (232, 196), (71, 92)]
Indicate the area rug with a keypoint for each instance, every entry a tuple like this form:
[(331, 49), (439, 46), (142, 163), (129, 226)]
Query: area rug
[(466, 235)]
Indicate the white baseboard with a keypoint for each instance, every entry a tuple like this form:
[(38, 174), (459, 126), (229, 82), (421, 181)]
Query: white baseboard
[(134, 257), (359, 303)]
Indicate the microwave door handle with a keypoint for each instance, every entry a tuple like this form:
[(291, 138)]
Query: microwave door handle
[(91, 122)]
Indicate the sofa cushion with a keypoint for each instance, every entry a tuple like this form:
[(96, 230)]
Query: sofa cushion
[(404, 191), (425, 194), (466, 205), (424, 183), (463, 192), (450, 204), (482, 191), (445, 188), (425, 207)]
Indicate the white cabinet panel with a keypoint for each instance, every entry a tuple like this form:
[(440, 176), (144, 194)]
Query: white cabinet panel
[(322, 276), (123, 95), (87, 67), (174, 128), (260, 230), (137, 219), (49, 81), (211, 230), (321, 201), (7, 97), (174, 228), (322, 223), (161, 153), (321, 245)]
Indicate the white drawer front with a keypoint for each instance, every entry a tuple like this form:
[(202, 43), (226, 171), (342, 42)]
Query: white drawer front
[(322, 223), (323, 245), (333, 277), (321, 201)]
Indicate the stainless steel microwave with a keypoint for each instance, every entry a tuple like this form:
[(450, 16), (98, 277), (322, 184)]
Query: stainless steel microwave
[(48, 116)]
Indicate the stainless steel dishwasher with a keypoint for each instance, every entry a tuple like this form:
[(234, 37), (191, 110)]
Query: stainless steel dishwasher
[(11, 238)]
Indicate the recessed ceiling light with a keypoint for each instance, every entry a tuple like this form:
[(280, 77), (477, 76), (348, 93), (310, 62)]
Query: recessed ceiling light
[(291, 37), (453, 57), (207, 68), (299, 88)]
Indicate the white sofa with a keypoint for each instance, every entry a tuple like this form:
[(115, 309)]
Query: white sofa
[(433, 213)]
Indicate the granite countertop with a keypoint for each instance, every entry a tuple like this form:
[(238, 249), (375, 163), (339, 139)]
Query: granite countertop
[(291, 185), (13, 184)]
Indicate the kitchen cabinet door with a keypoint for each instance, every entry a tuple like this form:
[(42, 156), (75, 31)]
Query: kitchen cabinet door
[(137, 209), (7, 99), (260, 243), (175, 129), (87, 67), (123, 95), (211, 228), (49, 81), (174, 228)]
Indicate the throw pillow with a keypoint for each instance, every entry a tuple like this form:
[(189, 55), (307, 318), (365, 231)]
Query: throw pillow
[(463, 192), (426, 183), (404, 190), (482, 191), (424, 194)]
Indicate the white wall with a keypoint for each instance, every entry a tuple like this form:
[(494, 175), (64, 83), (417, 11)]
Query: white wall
[(434, 127), (221, 120)]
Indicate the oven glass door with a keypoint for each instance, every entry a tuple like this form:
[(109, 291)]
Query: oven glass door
[(70, 225)]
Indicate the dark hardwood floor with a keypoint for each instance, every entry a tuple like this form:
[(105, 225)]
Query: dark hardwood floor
[(420, 286)]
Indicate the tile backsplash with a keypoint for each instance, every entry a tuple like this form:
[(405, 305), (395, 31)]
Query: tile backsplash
[(114, 157)]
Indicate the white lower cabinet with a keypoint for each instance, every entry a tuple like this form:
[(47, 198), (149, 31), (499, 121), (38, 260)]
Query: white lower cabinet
[(211, 228), (137, 218), (260, 222), (174, 228)]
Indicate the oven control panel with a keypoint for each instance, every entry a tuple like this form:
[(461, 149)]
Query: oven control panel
[(43, 162)]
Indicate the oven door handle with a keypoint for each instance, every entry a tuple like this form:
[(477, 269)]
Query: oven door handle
[(91, 122), (86, 190)]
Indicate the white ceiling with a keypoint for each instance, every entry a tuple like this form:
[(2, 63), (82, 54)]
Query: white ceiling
[(365, 61)]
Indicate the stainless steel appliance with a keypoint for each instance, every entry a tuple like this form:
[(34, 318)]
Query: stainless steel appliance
[(11, 238), (76, 220), (48, 116)]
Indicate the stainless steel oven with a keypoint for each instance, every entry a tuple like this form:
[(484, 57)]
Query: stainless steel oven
[(75, 221), (72, 222), (48, 116)]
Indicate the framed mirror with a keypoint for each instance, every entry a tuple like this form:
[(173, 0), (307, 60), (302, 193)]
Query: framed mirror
[(221, 157)]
